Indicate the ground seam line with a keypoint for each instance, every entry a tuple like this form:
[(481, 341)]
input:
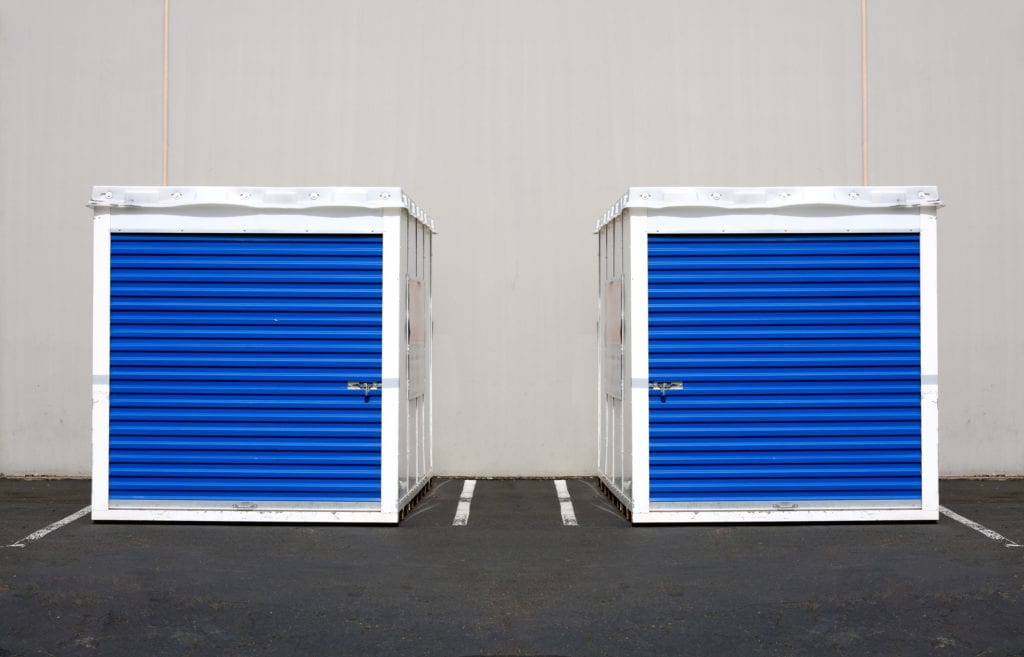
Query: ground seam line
[(465, 499), (995, 536), (35, 536), (564, 501)]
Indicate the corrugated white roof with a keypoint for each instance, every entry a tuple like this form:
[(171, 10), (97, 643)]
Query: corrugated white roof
[(282, 198), (752, 198)]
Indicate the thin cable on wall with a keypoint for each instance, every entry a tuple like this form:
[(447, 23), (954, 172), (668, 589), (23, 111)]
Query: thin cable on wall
[(864, 88), (167, 11)]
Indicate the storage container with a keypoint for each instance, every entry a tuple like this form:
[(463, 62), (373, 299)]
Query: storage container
[(260, 354), (769, 354)]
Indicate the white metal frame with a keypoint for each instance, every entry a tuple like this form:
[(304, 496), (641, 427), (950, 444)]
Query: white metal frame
[(101, 364), (614, 419), (323, 210), (706, 210), (415, 456), (637, 415), (929, 363), (391, 323)]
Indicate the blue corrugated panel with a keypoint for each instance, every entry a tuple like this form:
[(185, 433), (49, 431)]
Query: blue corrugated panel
[(800, 361), (230, 358)]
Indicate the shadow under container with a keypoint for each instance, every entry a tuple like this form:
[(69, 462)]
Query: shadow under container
[(769, 354), (260, 354)]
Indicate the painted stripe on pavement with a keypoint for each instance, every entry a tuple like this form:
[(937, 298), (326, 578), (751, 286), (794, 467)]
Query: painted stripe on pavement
[(995, 536), (462, 513), (35, 536), (568, 514)]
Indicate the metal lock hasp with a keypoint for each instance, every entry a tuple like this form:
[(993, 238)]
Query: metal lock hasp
[(365, 386), (665, 386)]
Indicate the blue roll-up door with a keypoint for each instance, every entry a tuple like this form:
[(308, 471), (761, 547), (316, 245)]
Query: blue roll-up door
[(799, 359), (230, 363)]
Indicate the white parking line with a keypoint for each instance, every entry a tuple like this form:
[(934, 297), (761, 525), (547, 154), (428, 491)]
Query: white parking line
[(35, 536), (568, 515), (462, 513), (995, 536)]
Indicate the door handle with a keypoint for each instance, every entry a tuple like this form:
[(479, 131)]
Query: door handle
[(665, 386), (365, 386)]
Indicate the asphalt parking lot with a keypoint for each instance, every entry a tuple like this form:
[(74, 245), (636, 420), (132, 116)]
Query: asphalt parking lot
[(515, 580)]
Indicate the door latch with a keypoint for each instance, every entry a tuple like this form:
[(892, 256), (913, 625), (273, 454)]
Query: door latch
[(665, 386), (365, 386)]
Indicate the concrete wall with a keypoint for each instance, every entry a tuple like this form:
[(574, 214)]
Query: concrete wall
[(946, 92), (516, 123), (80, 99)]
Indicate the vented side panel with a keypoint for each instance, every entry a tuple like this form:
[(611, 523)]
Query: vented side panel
[(230, 358), (800, 362)]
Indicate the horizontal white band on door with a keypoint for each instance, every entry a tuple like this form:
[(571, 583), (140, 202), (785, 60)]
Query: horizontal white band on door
[(800, 505), (260, 515), (755, 222), (243, 506), (814, 515), (344, 222)]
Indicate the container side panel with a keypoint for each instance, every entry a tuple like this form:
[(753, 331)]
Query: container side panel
[(406, 426), (603, 437), (613, 456), (789, 368), (413, 445), (230, 362), (635, 427), (427, 460)]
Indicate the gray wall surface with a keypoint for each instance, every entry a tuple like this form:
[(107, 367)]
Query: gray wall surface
[(516, 124), (947, 83), (80, 90)]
